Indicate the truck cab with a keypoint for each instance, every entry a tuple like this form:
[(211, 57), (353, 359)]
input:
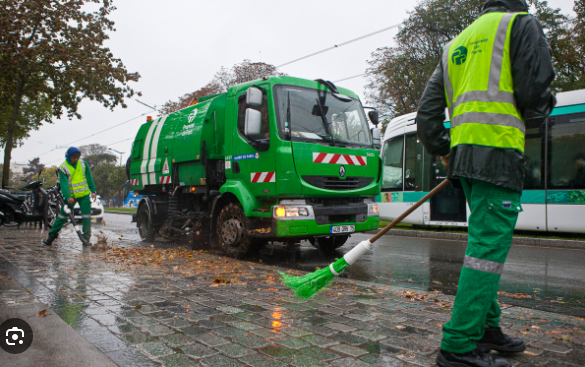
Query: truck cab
[(277, 159)]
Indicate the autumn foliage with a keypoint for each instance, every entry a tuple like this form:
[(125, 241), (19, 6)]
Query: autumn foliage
[(222, 80)]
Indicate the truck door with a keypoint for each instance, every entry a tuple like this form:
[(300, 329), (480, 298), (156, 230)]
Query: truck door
[(252, 156)]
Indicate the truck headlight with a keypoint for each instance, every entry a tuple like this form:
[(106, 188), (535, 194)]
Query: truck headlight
[(280, 212), (290, 212), (373, 209)]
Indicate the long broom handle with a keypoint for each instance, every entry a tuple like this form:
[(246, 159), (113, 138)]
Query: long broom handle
[(410, 210)]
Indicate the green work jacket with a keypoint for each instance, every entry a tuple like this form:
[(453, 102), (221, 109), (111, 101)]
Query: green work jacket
[(66, 181)]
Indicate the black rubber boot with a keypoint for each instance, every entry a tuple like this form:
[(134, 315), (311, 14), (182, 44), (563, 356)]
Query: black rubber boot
[(49, 240), (86, 242), (475, 358), (495, 339)]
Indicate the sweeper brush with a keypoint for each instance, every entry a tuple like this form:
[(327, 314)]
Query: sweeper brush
[(308, 285)]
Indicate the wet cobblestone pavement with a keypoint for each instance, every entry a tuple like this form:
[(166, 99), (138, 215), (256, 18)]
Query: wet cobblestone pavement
[(174, 307)]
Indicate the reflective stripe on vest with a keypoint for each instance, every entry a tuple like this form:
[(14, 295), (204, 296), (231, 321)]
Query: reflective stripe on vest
[(78, 186), (481, 104)]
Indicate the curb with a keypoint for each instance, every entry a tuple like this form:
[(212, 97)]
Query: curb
[(119, 212), (519, 241)]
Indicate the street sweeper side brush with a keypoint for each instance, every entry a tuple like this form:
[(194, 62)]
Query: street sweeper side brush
[(308, 285)]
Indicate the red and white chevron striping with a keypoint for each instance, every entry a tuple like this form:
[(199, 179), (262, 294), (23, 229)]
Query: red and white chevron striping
[(353, 160), (134, 182), (258, 177), (165, 179)]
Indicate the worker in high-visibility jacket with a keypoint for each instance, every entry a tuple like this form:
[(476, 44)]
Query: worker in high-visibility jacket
[(491, 77), (76, 186)]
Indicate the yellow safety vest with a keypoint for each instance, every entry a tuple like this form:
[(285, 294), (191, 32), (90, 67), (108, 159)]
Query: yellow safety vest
[(78, 186), (479, 86)]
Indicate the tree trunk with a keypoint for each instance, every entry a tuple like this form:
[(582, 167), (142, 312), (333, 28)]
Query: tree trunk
[(10, 134)]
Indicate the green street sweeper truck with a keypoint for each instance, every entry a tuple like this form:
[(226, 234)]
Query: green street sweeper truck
[(277, 159)]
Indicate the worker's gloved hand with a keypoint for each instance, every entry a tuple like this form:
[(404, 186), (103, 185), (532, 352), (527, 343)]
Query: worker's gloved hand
[(71, 201), (445, 160), (93, 196)]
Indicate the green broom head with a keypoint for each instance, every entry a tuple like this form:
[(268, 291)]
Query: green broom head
[(308, 285)]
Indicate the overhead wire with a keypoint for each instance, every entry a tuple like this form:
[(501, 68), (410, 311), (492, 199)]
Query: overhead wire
[(110, 128), (351, 77), (339, 45), (107, 145), (278, 66), (99, 132)]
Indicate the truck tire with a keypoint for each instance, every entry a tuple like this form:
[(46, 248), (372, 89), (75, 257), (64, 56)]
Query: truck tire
[(145, 228), (329, 244), (231, 232)]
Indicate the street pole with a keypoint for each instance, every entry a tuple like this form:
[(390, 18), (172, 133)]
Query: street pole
[(114, 150)]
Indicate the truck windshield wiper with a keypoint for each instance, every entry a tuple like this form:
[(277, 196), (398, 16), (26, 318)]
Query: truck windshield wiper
[(325, 122)]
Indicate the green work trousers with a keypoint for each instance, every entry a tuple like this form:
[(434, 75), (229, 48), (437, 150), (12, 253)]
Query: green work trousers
[(85, 206), (493, 214)]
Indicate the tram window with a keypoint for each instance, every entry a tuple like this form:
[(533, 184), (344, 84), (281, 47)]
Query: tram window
[(392, 175), (567, 151), (533, 178), (413, 164)]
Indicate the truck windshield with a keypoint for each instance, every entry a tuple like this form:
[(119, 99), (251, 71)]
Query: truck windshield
[(300, 117)]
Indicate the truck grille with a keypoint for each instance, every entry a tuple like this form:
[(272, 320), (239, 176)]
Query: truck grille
[(335, 183)]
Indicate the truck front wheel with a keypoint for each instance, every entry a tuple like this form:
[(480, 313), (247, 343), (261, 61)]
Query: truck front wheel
[(231, 231), (328, 244)]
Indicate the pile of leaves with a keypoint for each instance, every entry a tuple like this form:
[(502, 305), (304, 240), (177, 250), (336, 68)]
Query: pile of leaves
[(101, 244), (514, 295), (184, 262), (414, 296)]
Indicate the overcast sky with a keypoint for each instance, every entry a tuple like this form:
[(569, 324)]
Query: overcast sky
[(178, 45)]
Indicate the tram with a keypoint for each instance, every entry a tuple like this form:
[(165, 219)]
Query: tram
[(553, 199)]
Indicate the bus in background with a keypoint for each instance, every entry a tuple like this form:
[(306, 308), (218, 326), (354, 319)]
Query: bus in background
[(554, 187)]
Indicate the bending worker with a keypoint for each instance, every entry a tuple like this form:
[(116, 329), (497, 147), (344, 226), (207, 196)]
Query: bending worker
[(492, 76), (76, 185)]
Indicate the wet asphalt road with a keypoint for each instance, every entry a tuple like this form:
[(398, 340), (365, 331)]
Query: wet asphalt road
[(552, 279)]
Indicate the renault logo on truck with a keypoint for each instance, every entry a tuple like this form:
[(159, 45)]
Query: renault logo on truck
[(342, 171)]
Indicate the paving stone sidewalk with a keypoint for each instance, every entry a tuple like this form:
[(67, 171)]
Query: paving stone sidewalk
[(202, 309)]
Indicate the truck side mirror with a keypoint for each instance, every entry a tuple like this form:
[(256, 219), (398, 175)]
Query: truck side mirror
[(252, 122), (376, 135), (254, 97), (373, 115)]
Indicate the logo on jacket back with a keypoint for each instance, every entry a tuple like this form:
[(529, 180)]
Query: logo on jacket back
[(459, 55)]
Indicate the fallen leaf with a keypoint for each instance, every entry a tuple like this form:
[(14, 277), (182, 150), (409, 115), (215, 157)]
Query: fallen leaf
[(138, 307), (43, 313)]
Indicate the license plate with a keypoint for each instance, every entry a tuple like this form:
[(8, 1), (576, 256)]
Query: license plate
[(342, 229)]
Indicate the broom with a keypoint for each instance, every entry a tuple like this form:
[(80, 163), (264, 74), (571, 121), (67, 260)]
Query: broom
[(308, 285)]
